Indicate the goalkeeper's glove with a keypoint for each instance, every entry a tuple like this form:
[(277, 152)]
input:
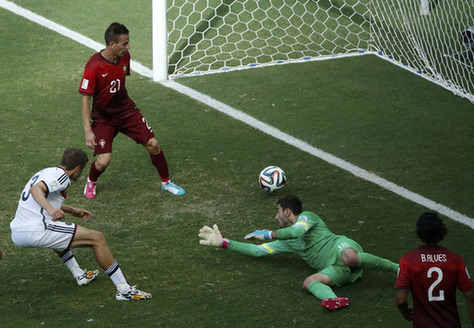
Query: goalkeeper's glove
[(260, 234), (211, 236)]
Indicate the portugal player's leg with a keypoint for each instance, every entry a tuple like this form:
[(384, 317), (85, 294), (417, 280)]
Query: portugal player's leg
[(159, 161), (138, 128), (97, 168), (104, 135)]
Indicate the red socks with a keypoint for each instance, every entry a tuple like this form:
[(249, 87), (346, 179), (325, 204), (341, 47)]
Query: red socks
[(94, 173), (159, 161)]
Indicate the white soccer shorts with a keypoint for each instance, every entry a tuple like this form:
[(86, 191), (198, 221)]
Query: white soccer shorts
[(58, 235)]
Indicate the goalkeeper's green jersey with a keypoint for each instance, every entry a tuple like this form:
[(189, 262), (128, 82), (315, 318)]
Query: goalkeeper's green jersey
[(309, 238)]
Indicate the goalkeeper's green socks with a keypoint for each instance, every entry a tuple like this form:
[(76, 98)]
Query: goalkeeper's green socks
[(372, 262), (320, 290)]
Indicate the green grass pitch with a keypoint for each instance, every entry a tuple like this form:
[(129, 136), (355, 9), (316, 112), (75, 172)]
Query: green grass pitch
[(362, 109)]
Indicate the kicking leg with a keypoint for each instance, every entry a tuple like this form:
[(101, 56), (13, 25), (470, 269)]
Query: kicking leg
[(95, 239), (83, 277)]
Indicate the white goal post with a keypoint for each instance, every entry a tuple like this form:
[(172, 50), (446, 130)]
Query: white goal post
[(160, 40), (427, 37)]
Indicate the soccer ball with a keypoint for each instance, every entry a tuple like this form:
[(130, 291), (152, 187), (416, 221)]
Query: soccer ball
[(272, 178)]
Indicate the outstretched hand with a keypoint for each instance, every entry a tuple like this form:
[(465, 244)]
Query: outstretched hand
[(82, 213), (210, 236)]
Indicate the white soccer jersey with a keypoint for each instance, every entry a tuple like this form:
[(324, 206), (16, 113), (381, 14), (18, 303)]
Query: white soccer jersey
[(30, 216)]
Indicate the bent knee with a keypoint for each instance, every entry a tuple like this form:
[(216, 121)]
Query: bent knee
[(152, 146), (350, 257), (102, 161), (98, 237), (308, 281), (316, 277)]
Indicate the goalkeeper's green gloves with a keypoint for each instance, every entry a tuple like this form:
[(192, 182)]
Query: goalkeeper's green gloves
[(212, 237)]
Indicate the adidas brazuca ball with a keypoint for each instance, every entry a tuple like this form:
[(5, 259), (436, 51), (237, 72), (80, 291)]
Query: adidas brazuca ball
[(272, 178)]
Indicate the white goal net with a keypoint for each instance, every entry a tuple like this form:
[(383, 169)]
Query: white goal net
[(425, 36), (429, 37)]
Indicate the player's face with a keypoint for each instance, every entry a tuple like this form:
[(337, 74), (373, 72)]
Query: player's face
[(121, 47), (76, 173), (282, 217)]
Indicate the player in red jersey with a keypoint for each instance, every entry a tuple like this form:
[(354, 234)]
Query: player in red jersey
[(113, 111), (432, 273)]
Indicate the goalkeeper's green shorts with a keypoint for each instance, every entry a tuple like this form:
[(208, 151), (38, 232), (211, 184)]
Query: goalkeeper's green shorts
[(339, 273)]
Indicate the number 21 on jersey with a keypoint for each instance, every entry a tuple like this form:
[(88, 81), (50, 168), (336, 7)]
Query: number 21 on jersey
[(432, 273), (114, 86)]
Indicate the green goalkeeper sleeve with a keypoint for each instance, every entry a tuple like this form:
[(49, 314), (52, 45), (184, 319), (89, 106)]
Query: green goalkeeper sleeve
[(247, 248), (271, 248)]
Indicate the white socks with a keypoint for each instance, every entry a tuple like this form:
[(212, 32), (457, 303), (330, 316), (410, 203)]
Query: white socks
[(71, 263), (117, 277)]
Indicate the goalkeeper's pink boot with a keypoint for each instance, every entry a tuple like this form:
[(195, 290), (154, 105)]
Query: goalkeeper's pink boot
[(335, 303)]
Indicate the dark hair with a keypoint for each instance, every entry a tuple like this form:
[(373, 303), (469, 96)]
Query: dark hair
[(113, 32), (73, 157), (430, 228), (291, 202)]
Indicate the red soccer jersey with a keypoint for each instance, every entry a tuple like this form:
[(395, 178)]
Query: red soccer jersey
[(432, 274), (105, 82)]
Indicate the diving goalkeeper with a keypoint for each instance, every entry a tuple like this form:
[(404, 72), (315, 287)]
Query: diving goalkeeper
[(337, 259)]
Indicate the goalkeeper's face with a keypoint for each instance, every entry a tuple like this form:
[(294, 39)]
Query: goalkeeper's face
[(283, 217)]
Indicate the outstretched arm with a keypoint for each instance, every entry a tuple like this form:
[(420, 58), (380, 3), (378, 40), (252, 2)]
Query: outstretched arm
[(212, 237), (79, 212), (295, 231)]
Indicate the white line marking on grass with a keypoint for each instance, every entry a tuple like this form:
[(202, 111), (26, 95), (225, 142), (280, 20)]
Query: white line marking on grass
[(331, 159), (14, 8), (249, 120)]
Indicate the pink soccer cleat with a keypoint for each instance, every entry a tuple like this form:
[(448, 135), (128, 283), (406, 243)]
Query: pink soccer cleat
[(89, 189), (335, 303)]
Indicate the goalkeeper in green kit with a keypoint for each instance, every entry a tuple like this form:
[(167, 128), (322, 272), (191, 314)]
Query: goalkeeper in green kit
[(337, 259)]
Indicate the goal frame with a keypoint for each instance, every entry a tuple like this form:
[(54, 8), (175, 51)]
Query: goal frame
[(161, 57)]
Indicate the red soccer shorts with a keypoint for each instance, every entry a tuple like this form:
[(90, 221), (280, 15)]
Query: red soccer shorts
[(134, 125)]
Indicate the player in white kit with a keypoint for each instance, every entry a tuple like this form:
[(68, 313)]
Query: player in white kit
[(37, 224)]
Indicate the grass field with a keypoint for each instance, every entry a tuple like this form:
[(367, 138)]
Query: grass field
[(363, 110)]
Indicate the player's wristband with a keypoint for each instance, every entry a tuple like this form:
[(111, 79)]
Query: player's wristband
[(268, 235), (225, 243)]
